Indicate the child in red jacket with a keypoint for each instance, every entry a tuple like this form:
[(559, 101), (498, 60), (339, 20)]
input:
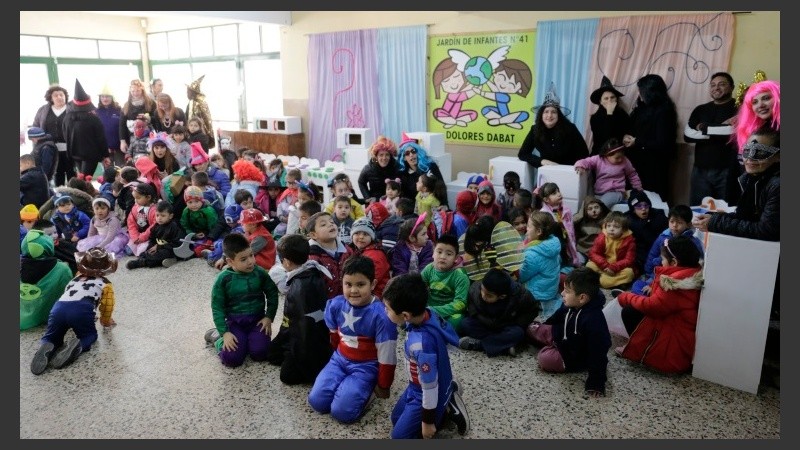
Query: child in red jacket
[(662, 326), (261, 241), (613, 254), (363, 234), (327, 249)]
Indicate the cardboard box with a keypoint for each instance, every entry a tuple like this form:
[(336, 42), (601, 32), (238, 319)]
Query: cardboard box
[(279, 125), (445, 163), (499, 165), (354, 138), (573, 187), (433, 143), (355, 158)]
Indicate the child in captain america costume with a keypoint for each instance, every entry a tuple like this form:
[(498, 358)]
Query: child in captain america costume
[(365, 347), (432, 394)]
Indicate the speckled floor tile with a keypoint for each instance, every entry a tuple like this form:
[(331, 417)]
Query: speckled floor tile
[(152, 376)]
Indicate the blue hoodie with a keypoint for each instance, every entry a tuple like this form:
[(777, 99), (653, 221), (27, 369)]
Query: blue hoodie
[(583, 340)]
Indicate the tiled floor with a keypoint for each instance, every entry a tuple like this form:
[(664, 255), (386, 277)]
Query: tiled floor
[(152, 376)]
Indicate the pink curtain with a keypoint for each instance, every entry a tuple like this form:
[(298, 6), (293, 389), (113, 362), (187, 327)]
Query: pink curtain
[(343, 88), (684, 49)]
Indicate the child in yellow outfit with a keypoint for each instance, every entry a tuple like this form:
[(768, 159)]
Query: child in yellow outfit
[(613, 254)]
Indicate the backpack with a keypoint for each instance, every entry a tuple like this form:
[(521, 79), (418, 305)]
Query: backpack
[(443, 221)]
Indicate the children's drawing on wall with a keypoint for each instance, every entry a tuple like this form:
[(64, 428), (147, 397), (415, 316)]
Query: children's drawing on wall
[(511, 76), (477, 73), (448, 77)]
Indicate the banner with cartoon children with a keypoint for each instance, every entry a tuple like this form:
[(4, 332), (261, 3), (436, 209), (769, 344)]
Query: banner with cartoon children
[(480, 88)]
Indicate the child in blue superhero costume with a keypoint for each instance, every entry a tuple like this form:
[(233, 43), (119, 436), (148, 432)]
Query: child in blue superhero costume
[(365, 347), (432, 395)]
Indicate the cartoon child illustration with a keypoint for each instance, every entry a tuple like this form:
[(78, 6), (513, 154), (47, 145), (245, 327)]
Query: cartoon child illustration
[(449, 78), (512, 76)]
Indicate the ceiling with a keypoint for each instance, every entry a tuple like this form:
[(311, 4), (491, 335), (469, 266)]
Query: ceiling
[(273, 17)]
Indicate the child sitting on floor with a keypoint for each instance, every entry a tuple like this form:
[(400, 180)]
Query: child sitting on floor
[(662, 325), (344, 386), (448, 285), (413, 250), (613, 253), (498, 312), (576, 337)]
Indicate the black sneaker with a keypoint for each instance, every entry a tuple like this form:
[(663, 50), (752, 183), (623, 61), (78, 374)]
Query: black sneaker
[(68, 353), (211, 336), (457, 413), (42, 358), (134, 264), (469, 343)]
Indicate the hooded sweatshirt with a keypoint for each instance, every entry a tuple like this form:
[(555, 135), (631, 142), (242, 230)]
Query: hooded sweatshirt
[(492, 209), (583, 340)]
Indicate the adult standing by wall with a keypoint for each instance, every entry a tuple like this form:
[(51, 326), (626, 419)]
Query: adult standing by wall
[(557, 140), (109, 112), (197, 107), (50, 118), (382, 165), (84, 133), (156, 87), (413, 161), (715, 152), (610, 120), (138, 103), (651, 143), (167, 114)]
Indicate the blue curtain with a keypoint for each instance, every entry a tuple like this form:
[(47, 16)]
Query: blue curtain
[(563, 54), (402, 53)]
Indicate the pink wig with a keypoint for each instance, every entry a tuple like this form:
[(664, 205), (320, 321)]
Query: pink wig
[(748, 121)]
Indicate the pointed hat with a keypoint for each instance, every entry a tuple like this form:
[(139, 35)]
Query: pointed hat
[(551, 99), (605, 86), (195, 86), (81, 98)]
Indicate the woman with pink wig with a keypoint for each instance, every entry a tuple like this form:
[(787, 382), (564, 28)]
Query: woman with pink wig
[(761, 105)]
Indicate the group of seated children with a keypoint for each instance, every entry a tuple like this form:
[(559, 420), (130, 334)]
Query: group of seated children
[(497, 273)]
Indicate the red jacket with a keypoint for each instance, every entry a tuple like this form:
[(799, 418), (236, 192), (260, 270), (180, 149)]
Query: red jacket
[(665, 338), (626, 252), (334, 265), (374, 251), (265, 256)]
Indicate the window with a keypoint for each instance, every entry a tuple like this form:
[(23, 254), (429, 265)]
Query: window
[(249, 38), (226, 40), (178, 44), (46, 60), (73, 48), (120, 50), (237, 87), (157, 47), (33, 46), (201, 42)]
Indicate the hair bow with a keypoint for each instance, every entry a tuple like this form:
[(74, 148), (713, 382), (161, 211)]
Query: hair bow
[(396, 180), (179, 122)]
